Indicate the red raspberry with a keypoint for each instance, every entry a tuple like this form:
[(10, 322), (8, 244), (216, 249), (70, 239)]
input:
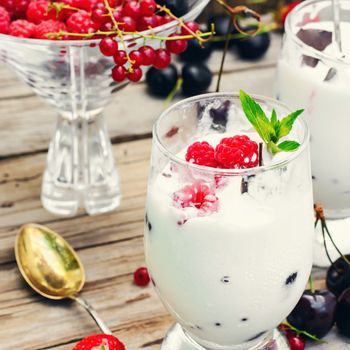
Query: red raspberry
[(99, 341), (4, 20), (141, 277), (81, 22), (47, 27), (38, 11), (16, 8), (237, 152), (201, 153), (22, 28), (197, 195)]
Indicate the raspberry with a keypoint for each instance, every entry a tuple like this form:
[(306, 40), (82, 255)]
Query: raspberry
[(16, 8), (38, 11), (22, 28), (201, 153), (81, 22), (237, 152), (4, 20), (197, 195), (51, 26)]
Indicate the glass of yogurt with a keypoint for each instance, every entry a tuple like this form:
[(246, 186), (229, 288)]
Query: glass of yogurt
[(313, 74), (229, 251)]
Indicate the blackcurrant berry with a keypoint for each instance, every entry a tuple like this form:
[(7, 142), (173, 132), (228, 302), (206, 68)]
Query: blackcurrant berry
[(196, 79), (161, 82)]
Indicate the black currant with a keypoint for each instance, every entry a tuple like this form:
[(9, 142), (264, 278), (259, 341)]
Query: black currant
[(196, 79), (161, 82)]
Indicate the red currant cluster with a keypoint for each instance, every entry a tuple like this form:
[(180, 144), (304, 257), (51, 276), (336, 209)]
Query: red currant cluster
[(108, 20)]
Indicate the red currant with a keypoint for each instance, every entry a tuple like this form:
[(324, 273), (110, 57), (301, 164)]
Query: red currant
[(296, 342), (106, 26), (120, 57), (163, 19), (148, 7), (99, 13), (162, 59), (132, 9), (147, 22), (108, 46), (141, 277), (137, 58), (128, 24), (176, 46), (119, 73), (148, 54), (193, 26)]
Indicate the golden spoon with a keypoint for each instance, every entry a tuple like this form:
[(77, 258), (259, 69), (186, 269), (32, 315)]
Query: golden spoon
[(52, 267)]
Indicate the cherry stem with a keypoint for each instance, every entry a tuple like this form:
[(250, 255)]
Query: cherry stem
[(311, 283), (321, 217), (223, 57), (238, 11), (174, 91), (298, 332)]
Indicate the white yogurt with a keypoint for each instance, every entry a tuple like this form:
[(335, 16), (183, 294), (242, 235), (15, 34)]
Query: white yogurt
[(327, 109), (235, 274)]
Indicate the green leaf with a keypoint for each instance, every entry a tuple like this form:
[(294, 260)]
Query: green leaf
[(287, 122), (289, 146), (273, 148), (257, 117), (102, 347), (275, 124)]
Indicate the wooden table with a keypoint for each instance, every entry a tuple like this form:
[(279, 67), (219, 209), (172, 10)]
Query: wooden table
[(110, 245)]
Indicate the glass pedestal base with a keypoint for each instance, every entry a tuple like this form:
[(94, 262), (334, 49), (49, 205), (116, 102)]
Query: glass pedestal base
[(176, 339), (80, 170), (340, 231)]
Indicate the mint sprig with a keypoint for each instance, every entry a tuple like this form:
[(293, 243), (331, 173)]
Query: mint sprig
[(270, 130)]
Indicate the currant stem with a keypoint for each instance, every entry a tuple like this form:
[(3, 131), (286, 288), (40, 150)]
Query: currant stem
[(311, 283), (174, 91)]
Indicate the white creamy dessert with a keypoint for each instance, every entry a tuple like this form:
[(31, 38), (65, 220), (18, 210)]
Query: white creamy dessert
[(234, 273), (323, 91)]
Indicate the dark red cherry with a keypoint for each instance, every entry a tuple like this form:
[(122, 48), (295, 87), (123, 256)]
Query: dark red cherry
[(314, 313), (343, 313), (338, 276)]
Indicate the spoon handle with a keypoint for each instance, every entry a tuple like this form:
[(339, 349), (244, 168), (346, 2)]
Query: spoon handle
[(101, 324)]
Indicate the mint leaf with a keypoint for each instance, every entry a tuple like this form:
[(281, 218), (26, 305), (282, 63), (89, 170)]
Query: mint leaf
[(287, 123), (257, 117), (288, 146), (275, 124), (102, 347)]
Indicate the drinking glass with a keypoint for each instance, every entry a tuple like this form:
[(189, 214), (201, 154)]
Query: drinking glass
[(316, 78), (75, 78), (233, 264)]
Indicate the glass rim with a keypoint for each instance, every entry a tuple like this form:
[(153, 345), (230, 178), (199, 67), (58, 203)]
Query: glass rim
[(199, 5), (313, 52), (290, 156)]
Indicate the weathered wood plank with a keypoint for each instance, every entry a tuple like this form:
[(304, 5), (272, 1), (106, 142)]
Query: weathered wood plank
[(21, 111)]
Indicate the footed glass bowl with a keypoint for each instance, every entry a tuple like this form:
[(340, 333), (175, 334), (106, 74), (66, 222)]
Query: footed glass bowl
[(75, 78)]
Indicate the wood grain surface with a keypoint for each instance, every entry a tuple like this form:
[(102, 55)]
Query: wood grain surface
[(109, 245)]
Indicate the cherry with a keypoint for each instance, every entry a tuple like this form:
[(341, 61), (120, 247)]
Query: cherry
[(137, 58), (120, 57), (176, 46), (196, 52), (253, 47), (161, 82), (148, 54), (343, 313), (148, 7), (108, 46), (177, 7), (162, 59), (141, 277), (196, 78), (338, 276), (119, 73), (295, 342), (314, 313)]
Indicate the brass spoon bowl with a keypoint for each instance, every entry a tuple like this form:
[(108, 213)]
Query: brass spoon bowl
[(52, 267)]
